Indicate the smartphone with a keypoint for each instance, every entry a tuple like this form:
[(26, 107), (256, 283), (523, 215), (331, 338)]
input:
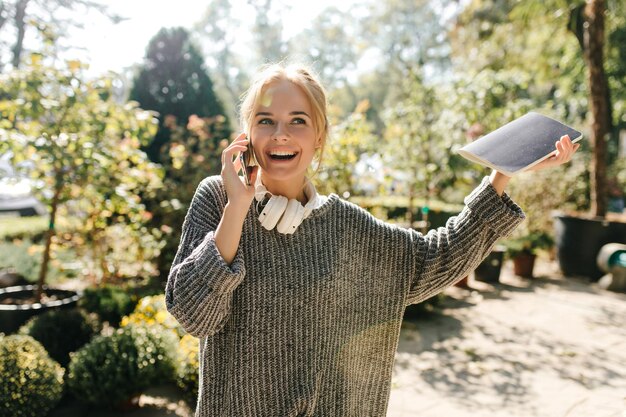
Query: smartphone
[(247, 163)]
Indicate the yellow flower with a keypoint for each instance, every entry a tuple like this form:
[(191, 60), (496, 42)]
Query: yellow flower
[(161, 316)]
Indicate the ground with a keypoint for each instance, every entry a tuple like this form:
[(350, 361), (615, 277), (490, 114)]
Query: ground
[(546, 347)]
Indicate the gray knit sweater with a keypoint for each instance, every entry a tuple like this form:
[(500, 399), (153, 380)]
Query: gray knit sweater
[(307, 324)]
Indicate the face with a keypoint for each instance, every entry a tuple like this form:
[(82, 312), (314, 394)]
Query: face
[(282, 132)]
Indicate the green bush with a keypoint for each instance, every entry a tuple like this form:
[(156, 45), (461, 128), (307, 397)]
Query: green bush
[(32, 227), (111, 369), (61, 332), (109, 302), (187, 376), (25, 258), (31, 383)]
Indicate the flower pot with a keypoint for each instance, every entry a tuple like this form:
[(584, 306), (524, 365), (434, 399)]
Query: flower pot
[(579, 240), (523, 264), (13, 315), (489, 269)]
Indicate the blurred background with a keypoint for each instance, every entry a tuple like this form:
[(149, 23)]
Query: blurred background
[(112, 112)]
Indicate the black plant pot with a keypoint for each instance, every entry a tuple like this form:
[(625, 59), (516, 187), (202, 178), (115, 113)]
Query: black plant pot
[(12, 316), (489, 269), (579, 240)]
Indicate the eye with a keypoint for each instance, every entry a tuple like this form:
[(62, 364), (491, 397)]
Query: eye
[(298, 121), (266, 121)]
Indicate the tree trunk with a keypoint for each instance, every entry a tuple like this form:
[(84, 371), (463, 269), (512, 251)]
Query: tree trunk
[(43, 271), (20, 25), (598, 89)]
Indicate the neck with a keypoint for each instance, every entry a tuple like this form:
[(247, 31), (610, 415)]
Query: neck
[(289, 188)]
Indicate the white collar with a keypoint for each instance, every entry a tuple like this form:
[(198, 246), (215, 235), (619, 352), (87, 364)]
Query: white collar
[(314, 200)]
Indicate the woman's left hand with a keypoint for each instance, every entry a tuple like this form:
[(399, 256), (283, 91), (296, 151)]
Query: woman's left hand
[(565, 149)]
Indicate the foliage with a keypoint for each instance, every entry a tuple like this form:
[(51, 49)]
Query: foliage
[(83, 148), (112, 368), (61, 332), (219, 29), (151, 311), (418, 143), (191, 134), (51, 18), (31, 383), (330, 42), (349, 141), (544, 41), (109, 302), (33, 227), (188, 373), (24, 257), (174, 83), (529, 244), (194, 152)]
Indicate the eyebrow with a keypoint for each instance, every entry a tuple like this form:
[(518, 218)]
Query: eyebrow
[(293, 113)]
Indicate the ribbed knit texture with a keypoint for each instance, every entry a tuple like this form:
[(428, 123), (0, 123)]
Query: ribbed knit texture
[(308, 324)]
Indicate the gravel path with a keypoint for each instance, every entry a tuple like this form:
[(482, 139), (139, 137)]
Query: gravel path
[(550, 347)]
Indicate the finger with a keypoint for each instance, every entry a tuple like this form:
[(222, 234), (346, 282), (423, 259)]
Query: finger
[(559, 148), (240, 138), (237, 164), (255, 171), (227, 157)]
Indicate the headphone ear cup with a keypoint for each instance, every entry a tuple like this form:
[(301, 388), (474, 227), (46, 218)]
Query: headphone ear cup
[(273, 211), (294, 213)]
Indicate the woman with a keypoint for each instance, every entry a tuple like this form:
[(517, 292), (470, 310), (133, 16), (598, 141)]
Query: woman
[(298, 300)]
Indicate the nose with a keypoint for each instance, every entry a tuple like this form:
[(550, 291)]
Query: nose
[(280, 133)]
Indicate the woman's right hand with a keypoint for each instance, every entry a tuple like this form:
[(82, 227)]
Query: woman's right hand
[(239, 194)]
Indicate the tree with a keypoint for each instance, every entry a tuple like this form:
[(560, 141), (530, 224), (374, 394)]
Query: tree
[(85, 152), (415, 145), (220, 28), (593, 47), (51, 17), (351, 141), (173, 81), (331, 43), (267, 32), (532, 36), (193, 153)]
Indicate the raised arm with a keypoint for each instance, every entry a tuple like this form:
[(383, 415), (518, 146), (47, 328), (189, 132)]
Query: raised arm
[(445, 255), (200, 284)]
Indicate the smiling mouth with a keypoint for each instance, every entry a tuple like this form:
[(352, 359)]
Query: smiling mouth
[(282, 156)]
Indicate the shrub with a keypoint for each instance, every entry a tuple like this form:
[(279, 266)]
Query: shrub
[(31, 383), (61, 332), (151, 310), (187, 377), (111, 369), (109, 302), (529, 244)]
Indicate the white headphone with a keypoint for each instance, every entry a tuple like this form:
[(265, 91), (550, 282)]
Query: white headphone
[(284, 214)]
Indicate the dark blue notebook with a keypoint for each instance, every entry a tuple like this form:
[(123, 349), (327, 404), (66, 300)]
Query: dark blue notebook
[(520, 144)]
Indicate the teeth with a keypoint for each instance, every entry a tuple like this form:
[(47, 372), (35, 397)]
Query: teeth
[(280, 153)]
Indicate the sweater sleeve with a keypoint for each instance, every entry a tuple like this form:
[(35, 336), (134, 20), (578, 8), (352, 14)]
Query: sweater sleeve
[(200, 284), (449, 253)]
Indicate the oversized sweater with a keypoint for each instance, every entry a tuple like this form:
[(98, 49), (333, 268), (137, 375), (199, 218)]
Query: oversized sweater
[(308, 324)]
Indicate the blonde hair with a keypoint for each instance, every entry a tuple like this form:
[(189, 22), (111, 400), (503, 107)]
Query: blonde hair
[(301, 76)]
